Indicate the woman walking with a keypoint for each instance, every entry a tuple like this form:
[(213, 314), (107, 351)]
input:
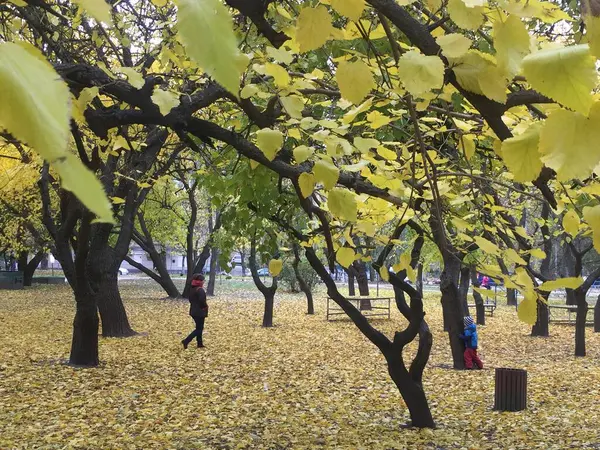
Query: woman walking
[(198, 310)]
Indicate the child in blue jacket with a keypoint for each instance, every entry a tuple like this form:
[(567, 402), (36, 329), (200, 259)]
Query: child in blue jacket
[(470, 338)]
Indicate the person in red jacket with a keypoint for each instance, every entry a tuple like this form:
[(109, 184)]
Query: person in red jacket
[(198, 310)]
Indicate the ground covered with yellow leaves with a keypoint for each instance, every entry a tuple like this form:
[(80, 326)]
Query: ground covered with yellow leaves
[(305, 383)]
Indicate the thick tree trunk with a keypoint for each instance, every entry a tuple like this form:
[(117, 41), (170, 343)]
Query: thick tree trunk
[(419, 283), (511, 297), (112, 311), (361, 278), (597, 316), (580, 322), (267, 292), (479, 307), (571, 297), (84, 345), (411, 391), (29, 268), (351, 288), (268, 313), (463, 288), (214, 257), (166, 283), (453, 308), (541, 325)]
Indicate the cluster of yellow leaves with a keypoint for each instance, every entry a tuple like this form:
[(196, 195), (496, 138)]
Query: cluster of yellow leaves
[(303, 384)]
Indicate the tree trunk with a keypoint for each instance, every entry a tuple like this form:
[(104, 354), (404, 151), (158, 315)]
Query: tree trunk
[(214, 257), (267, 292), (361, 278), (571, 297), (419, 283), (301, 282), (411, 391), (166, 283), (511, 297), (44, 262), (541, 325), (597, 316), (479, 307), (463, 288), (84, 345), (351, 288), (453, 308), (112, 311), (29, 268), (243, 263), (268, 313), (580, 322)]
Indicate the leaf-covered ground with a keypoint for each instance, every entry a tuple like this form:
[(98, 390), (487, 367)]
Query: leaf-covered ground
[(304, 384)]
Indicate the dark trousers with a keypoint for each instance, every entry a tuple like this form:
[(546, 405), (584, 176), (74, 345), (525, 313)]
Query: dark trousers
[(471, 357), (197, 333)]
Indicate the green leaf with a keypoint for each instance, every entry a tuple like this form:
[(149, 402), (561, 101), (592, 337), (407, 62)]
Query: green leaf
[(206, 30), (566, 74), (465, 17), (35, 109), (521, 154), (454, 45), (269, 141), (571, 222), (313, 28), (133, 76), (355, 80), (420, 73), (306, 181), (165, 100), (487, 246), (293, 105), (275, 267), (249, 90), (345, 256), (561, 283), (342, 204), (326, 173), (511, 41), (569, 143)]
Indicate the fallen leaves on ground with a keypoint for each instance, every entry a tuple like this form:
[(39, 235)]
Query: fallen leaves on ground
[(305, 383)]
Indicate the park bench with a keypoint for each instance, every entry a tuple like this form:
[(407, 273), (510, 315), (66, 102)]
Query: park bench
[(11, 279), (555, 316), (489, 305), (368, 306)]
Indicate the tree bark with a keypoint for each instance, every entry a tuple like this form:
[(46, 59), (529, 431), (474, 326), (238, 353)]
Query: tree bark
[(580, 322), (30, 267), (453, 308), (166, 283), (571, 296), (351, 288), (479, 307), (301, 282), (267, 292), (84, 344), (419, 283), (268, 312), (541, 325), (110, 305), (214, 257), (463, 289), (511, 297), (597, 316), (361, 277)]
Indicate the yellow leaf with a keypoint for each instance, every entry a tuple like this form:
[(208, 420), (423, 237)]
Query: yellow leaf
[(465, 17), (487, 246), (467, 145), (512, 255), (521, 154), (378, 120), (364, 144), (313, 28), (355, 80), (35, 109), (306, 181), (342, 204), (569, 143), (561, 283), (165, 100), (566, 74), (420, 73), (454, 45), (269, 141), (511, 41), (537, 253), (477, 72), (345, 256), (592, 216), (133, 76), (117, 200), (293, 105), (383, 272), (302, 153), (592, 26), (275, 266), (570, 222), (352, 9), (326, 173), (279, 74), (527, 310), (249, 90), (280, 54), (98, 9), (206, 30)]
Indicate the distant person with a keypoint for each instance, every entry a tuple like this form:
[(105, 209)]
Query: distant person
[(198, 310), (470, 338), (485, 282)]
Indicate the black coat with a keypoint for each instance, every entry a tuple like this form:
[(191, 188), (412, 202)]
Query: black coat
[(198, 302)]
